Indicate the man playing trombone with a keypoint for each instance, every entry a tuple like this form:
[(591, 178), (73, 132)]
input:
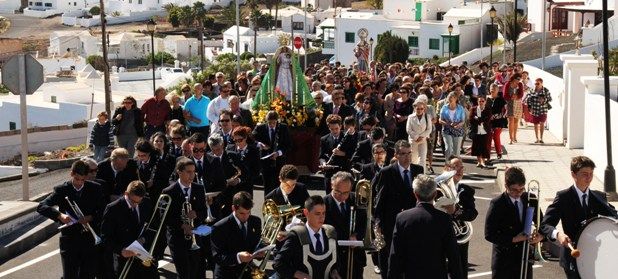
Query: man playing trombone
[(504, 227), (80, 204), (123, 222)]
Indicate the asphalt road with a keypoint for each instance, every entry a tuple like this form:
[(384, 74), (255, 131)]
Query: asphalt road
[(44, 261)]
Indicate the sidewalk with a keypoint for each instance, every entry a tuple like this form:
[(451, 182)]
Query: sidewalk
[(548, 163)]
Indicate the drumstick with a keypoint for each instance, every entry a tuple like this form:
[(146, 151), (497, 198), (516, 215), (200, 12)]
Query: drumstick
[(574, 252)]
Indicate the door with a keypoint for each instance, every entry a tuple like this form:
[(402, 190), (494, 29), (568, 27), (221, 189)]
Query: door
[(419, 11)]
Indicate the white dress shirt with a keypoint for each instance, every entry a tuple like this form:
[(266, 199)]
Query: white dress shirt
[(312, 237)]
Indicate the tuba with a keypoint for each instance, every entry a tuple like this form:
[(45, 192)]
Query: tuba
[(162, 207), (274, 217), (364, 200), (448, 194)]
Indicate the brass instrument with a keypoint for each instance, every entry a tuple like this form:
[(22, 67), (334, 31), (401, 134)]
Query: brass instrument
[(364, 200), (186, 208), (274, 217), (162, 206), (80, 214), (448, 194), (534, 188)]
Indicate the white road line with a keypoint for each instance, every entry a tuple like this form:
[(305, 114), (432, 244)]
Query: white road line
[(484, 181), (480, 274), (30, 262), (482, 198)]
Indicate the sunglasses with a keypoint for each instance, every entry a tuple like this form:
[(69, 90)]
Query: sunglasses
[(238, 140), (199, 150), (224, 120)]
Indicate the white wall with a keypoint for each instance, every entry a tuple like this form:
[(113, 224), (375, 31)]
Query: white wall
[(42, 141), (41, 114), (127, 16), (9, 6), (141, 75), (41, 14), (553, 60), (555, 85), (471, 57), (594, 133), (52, 65)]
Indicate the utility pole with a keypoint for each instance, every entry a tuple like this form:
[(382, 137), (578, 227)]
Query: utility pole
[(237, 37), (514, 26), (544, 37), (106, 83)]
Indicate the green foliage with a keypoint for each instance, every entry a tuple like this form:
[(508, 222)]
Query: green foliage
[(228, 16), (173, 14), (186, 17), (4, 90), (246, 56), (510, 28), (95, 10), (209, 21), (161, 56), (391, 49), (78, 148), (226, 57), (376, 4), (96, 61)]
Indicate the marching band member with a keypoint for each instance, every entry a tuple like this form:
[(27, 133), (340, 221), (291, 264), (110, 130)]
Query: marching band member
[(152, 170), (249, 156), (117, 171), (423, 239), (225, 127), (77, 245), (393, 184), (339, 205), (363, 152), (335, 149), (221, 174), (465, 210), (274, 141), (189, 263), (504, 227), (123, 222), (572, 206), (310, 250), (369, 170), (234, 239), (290, 191)]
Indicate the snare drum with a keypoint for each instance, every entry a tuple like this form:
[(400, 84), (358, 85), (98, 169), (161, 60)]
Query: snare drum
[(598, 243)]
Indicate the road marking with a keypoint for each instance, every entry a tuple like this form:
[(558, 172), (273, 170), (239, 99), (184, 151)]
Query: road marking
[(480, 274), (482, 198), (472, 181), (30, 262)]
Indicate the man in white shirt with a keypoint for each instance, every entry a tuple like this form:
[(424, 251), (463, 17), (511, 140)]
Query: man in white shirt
[(218, 104)]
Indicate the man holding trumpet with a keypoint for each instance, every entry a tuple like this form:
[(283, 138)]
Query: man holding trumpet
[(572, 206), (80, 204)]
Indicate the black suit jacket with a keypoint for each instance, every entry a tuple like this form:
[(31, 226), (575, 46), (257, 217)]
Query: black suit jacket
[(341, 222), (363, 155), (173, 220), (116, 185), (289, 259), (567, 208), (162, 168), (466, 202), (423, 240), (250, 160), (119, 228), (298, 196), (261, 133), (226, 141), (344, 111), (216, 173), (89, 200), (393, 197), (501, 225), (246, 119), (328, 143), (227, 241)]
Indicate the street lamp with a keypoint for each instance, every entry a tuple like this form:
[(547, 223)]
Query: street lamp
[(450, 31), (492, 15), (370, 48), (190, 55), (610, 173), (151, 26)]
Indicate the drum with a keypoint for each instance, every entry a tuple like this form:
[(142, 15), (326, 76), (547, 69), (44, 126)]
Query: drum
[(598, 243)]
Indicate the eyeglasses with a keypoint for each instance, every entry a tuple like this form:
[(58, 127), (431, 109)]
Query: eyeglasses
[(237, 140), (337, 192), (185, 91), (199, 150), (404, 153), (224, 120)]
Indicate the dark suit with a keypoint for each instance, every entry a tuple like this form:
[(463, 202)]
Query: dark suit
[(158, 169), (501, 225), (467, 213), (327, 144), (116, 184), (227, 138), (298, 196), (567, 208), (341, 222), (393, 197), (245, 117), (344, 111), (227, 241), (187, 264), (289, 259), (250, 161), (423, 239), (119, 229), (280, 142), (77, 249), (216, 173), (363, 153)]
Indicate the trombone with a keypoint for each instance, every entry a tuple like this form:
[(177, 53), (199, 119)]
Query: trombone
[(534, 187), (163, 206), (80, 214)]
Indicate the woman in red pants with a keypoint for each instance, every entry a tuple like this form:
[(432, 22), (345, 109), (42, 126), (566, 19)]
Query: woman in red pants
[(497, 105)]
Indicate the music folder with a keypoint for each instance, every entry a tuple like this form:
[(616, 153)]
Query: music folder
[(350, 243), (212, 194), (528, 221), (202, 230), (139, 250)]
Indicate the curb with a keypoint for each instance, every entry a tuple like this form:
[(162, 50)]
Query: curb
[(36, 172)]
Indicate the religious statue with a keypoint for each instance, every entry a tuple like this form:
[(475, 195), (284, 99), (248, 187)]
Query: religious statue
[(361, 51), (283, 65)]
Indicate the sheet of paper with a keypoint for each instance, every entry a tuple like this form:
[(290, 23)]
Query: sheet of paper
[(138, 249), (295, 222), (212, 194), (73, 222), (202, 230), (263, 249), (267, 156), (350, 243)]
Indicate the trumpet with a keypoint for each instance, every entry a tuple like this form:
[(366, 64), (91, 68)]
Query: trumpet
[(534, 187), (80, 214), (163, 206), (186, 208)]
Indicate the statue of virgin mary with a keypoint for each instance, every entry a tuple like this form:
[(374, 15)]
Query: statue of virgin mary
[(284, 81)]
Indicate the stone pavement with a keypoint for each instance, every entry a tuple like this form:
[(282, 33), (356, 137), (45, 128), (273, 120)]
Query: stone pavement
[(548, 163)]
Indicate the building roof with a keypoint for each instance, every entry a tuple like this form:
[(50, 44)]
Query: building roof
[(466, 12), (287, 11), (329, 22), (244, 31)]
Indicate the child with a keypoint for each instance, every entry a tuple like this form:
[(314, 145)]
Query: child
[(101, 137)]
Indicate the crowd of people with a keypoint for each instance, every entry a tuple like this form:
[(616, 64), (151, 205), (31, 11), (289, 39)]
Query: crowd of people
[(203, 149)]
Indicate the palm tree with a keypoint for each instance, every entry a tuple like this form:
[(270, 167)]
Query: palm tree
[(255, 15), (512, 28), (269, 5), (199, 14)]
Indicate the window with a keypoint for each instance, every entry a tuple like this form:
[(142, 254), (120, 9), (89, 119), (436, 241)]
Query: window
[(434, 43), (297, 26), (48, 4), (349, 37), (12, 126), (29, 3), (39, 4), (412, 41), (139, 2), (278, 24)]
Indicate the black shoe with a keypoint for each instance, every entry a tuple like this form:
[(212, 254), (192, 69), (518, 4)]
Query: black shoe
[(430, 169), (499, 156)]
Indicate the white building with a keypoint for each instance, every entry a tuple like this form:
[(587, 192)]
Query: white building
[(291, 17), (77, 42), (326, 4), (180, 47), (129, 45), (61, 6), (9, 6), (267, 40), (423, 24)]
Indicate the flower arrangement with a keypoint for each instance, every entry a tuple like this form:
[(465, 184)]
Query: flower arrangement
[(292, 115)]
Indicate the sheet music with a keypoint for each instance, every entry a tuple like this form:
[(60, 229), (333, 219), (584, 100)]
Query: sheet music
[(295, 222), (263, 249), (350, 243), (212, 194), (73, 222), (139, 250)]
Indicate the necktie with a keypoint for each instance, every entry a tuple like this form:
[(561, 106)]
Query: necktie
[(516, 203), (186, 191), (585, 204), (342, 208), (200, 168), (243, 230), (178, 151), (272, 134), (406, 179), (318, 244), (135, 214), (336, 110)]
